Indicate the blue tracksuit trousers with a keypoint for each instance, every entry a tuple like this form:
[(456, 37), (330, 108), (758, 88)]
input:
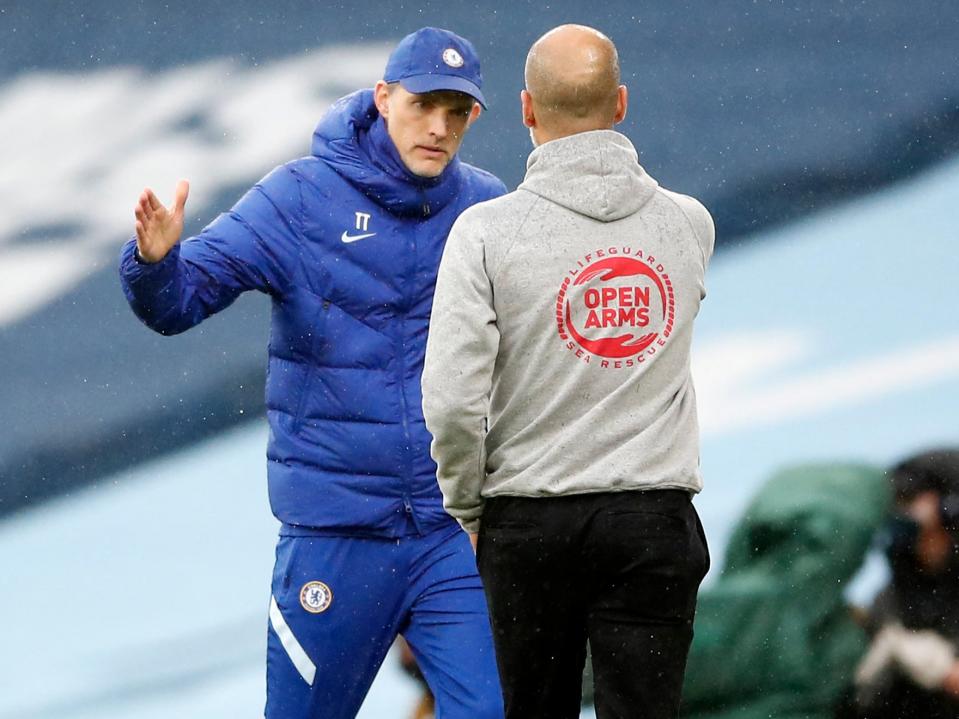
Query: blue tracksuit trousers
[(339, 602)]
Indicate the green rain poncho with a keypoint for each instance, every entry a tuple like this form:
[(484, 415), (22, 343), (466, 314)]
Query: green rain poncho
[(774, 637)]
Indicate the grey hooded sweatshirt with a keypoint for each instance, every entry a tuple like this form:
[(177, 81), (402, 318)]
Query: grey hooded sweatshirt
[(558, 355)]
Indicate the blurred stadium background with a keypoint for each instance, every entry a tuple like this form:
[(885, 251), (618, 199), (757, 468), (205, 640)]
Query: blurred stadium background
[(135, 535)]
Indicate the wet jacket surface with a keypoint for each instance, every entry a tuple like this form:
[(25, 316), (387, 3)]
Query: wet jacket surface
[(774, 635), (347, 243)]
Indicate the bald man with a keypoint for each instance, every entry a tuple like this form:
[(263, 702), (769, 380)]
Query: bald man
[(558, 391)]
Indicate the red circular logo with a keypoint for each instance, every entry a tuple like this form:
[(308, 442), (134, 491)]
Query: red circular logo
[(616, 307)]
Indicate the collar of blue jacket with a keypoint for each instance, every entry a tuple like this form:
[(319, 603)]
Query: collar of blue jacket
[(352, 138)]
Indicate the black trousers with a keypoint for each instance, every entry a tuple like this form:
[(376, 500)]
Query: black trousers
[(620, 569)]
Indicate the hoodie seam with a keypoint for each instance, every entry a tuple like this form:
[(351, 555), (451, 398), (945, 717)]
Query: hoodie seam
[(692, 226), (604, 166), (512, 244)]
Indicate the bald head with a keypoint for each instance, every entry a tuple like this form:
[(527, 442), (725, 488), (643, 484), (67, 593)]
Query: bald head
[(572, 79)]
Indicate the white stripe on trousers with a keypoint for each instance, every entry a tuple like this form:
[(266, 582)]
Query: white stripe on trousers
[(304, 665)]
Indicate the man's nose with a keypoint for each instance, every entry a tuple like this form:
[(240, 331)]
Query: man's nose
[(439, 124)]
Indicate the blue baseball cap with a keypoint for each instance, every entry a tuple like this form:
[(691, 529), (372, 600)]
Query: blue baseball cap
[(433, 59)]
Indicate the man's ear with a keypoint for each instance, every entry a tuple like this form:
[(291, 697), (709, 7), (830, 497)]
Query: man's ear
[(474, 114), (381, 98), (622, 102), (526, 103)]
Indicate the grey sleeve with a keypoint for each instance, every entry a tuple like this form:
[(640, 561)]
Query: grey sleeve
[(460, 354), (706, 231), (699, 220), (703, 226)]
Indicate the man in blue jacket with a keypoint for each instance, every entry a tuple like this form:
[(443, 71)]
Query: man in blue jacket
[(347, 243)]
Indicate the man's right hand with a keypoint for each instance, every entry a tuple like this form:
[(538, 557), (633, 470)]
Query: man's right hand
[(159, 228)]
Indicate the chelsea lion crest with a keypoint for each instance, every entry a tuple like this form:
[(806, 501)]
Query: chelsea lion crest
[(316, 597), (452, 58)]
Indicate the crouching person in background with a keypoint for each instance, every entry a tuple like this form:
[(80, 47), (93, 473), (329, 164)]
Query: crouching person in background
[(911, 670)]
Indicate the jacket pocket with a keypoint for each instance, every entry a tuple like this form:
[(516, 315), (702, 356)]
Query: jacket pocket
[(317, 340)]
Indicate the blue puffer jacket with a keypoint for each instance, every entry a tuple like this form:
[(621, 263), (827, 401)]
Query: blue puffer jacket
[(347, 244)]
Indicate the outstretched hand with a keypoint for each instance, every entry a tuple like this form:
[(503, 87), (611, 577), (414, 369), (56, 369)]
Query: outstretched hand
[(159, 228)]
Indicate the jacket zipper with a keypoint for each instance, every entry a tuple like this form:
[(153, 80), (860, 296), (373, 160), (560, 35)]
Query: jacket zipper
[(404, 403)]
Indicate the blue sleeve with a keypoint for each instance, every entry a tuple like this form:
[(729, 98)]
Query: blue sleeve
[(491, 186), (251, 247)]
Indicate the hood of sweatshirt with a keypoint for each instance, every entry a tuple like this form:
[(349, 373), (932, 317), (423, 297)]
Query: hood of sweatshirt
[(595, 173), (352, 139)]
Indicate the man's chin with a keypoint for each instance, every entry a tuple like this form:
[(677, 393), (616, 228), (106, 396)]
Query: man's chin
[(429, 172), (427, 168)]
